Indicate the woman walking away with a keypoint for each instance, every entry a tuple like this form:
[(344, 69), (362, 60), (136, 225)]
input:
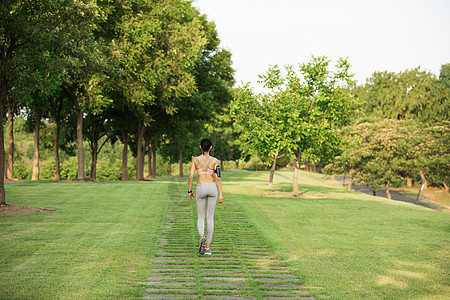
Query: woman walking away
[(206, 193)]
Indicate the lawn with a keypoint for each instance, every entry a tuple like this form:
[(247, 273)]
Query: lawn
[(100, 239), (98, 243), (348, 245)]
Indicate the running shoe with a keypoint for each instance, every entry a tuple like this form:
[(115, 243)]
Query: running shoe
[(208, 251), (202, 247)]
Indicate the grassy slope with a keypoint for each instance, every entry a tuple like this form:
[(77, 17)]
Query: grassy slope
[(349, 245), (98, 243)]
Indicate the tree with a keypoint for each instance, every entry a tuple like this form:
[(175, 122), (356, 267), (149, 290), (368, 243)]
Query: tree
[(31, 35), (412, 94), (307, 109), (122, 126), (444, 75), (97, 131), (261, 112), (158, 42), (12, 107), (383, 152), (434, 163), (59, 110)]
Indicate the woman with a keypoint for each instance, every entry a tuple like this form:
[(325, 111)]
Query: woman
[(206, 193)]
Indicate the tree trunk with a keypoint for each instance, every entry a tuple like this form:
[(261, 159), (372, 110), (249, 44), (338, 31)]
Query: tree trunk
[(153, 144), (93, 173), (80, 174), (37, 124), (422, 175), (447, 188), (10, 170), (388, 193), (221, 166), (149, 154), (139, 152), (2, 155), (181, 160), (125, 157), (170, 167), (298, 156), (213, 143), (56, 149), (374, 192), (237, 164), (409, 182), (149, 157), (272, 170), (349, 187)]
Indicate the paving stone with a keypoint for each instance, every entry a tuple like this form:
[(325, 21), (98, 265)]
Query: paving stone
[(243, 290), (273, 274), (283, 286), (165, 296), (169, 269), (222, 271), (153, 278), (159, 261), (281, 292), (170, 290), (225, 278), (228, 297), (172, 273), (222, 284), (172, 253), (275, 279)]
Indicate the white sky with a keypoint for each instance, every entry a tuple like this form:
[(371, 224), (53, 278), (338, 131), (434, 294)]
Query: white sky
[(383, 35)]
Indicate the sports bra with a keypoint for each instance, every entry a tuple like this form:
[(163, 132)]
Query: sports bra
[(203, 168)]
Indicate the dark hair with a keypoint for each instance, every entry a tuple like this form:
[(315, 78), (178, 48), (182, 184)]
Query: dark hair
[(205, 144)]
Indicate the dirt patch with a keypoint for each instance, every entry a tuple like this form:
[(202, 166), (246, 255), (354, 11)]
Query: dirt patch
[(292, 196), (12, 180), (19, 209), (267, 188)]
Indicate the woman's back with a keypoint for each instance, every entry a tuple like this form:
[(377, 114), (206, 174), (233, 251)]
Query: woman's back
[(205, 166)]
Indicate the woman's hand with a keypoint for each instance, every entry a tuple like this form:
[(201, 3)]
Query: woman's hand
[(220, 199), (191, 196)]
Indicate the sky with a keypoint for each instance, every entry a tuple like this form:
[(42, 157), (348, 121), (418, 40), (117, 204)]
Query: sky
[(377, 35)]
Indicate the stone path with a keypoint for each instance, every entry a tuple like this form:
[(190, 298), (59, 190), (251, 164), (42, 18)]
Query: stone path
[(241, 267)]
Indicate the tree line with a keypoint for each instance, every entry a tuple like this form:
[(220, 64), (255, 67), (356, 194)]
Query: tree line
[(135, 71), (152, 75), (392, 130)]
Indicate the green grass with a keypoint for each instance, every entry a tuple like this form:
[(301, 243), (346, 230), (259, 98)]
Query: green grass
[(100, 240), (348, 245), (98, 243)]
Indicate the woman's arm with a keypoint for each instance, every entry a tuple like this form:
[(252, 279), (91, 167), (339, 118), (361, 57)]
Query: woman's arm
[(191, 180), (219, 187)]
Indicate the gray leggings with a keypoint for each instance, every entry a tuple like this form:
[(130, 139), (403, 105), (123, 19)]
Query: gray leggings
[(206, 194)]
